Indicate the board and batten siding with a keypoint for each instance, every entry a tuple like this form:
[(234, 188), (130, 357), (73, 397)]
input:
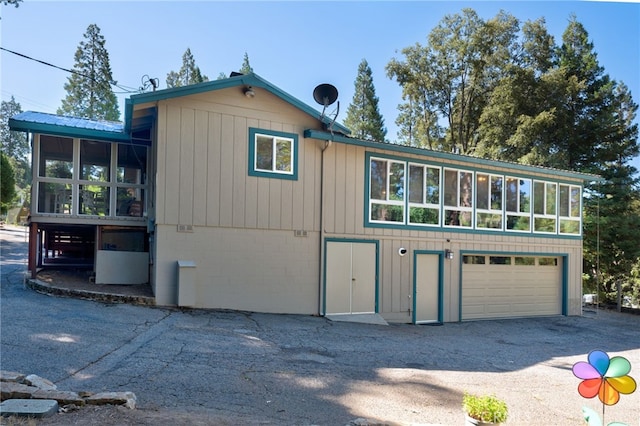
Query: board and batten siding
[(202, 182), (345, 199)]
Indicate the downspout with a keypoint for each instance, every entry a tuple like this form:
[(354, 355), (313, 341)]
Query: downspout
[(327, 144)]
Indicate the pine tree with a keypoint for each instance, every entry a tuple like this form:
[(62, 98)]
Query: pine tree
[(246, 67), (89, 93), (189, 72), (363, 115)]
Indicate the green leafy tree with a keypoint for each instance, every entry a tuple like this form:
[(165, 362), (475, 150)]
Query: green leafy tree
[(451, 78), (363, 115), (556, 107), (518, 122), (89, 92), (188, 74), (15, 144), (7, 184)]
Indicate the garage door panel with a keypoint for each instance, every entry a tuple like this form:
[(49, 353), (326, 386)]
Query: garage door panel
[(511, 290)]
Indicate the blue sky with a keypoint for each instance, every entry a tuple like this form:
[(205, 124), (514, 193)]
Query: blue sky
[(295, 45)]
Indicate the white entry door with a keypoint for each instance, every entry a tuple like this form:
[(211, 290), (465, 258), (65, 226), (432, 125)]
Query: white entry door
[(350, 278), (427, 289)]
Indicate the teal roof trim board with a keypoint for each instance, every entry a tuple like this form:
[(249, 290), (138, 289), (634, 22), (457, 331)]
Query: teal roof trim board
[(444, 156)]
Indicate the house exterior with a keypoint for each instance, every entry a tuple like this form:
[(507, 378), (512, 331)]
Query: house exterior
[(260, 203)]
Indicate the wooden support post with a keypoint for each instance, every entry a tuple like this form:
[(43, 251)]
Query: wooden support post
[(33, 249)]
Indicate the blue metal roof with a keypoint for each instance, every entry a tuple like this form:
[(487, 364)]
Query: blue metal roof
[(40, 122)]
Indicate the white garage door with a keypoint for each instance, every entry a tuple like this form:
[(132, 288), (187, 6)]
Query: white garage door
[(503, 286)]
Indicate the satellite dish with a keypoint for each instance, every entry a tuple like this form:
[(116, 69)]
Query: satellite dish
[(325, 94)]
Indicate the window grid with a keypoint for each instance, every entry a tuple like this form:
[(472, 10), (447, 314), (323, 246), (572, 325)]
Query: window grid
[(86, 185), (511, 200)]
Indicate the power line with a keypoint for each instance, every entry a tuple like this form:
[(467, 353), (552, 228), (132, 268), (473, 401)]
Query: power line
[(113, 83)]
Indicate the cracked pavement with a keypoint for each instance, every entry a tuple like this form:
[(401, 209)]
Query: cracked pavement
[(227, 367)]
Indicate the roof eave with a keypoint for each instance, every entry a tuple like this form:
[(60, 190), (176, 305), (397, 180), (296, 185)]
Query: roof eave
[(60, 130)]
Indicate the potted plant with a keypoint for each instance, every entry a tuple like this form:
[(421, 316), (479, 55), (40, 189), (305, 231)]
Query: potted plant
[(484, 410)]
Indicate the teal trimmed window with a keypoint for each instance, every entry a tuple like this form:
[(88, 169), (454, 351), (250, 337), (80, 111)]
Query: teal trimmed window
[(273, 154), (403, 193)]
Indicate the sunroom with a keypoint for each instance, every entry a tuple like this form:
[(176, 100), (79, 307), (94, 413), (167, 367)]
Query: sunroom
[(89, 198)]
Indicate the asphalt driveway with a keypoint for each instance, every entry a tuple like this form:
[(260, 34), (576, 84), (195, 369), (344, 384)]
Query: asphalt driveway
[(216, 366)]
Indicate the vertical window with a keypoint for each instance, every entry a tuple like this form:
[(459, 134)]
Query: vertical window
[(569, 209), (272, 154), (95, 167), (55, 174), (544, 207), (458, 198), (518, 204), (387, 191), (424, 195), (488, 201), (131, 167), (56, 157)]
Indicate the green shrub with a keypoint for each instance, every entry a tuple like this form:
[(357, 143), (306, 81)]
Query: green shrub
[(486, 408)]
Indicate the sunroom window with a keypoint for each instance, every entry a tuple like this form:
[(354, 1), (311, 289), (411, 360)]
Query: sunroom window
[(92, 178), (569, 209), (424, 195), (386, 197), (130, 180), (518, 204), (458, 198), (406, 192), (95, 172), (489, 201), (544, 207)]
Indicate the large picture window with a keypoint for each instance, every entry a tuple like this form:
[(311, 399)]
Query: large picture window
[(90, 178), (273, 154)]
